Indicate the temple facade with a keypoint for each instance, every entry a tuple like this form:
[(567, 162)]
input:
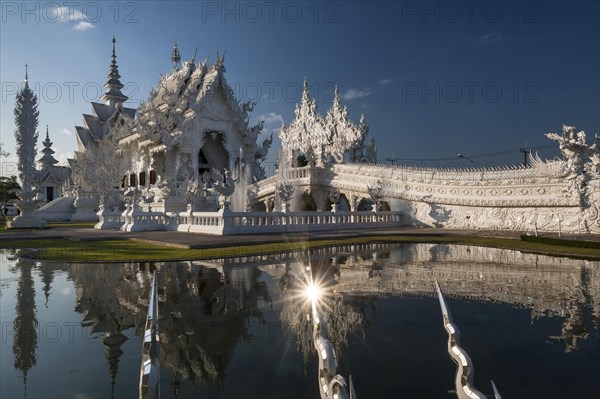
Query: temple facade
[(189, 146), (187, 159)]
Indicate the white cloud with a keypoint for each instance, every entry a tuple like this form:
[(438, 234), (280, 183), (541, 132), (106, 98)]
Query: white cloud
[(66, 132), (490, 39), (351, 94), (273, 123), (385, 81), (83, 25), (271, 118), (72, 15), (67, 14)]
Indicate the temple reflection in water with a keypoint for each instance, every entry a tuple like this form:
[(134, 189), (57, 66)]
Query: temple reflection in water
[(205, 306)]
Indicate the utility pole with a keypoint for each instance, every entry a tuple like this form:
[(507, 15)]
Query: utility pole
[(525, 151)]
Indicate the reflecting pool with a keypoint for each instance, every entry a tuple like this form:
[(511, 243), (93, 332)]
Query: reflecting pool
[(239, 327)]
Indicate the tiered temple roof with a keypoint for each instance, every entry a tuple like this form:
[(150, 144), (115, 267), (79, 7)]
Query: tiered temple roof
[(97, 125)]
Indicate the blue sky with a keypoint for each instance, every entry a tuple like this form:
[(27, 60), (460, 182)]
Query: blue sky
[(434, 78)]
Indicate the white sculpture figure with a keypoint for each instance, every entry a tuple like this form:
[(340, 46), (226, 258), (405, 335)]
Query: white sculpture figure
[(224, 185), (573, 147), (191, 190), (376, 194), (334, 197), (285, 191), (594, 155), (357, 154), (371, 152), (26, 135)]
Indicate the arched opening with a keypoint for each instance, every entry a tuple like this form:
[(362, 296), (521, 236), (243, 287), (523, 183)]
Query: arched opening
[(343, 203), (308, 202), (365, 205), (384, 206), (142, 178), (212, 155)]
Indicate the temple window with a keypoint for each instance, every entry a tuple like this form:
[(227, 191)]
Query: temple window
[(132, 180), (152, 177), (142, 178)]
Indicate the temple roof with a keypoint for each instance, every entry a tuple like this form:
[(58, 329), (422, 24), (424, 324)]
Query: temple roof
[(97, 125), (47, 159), (58, 174), (182, 93)]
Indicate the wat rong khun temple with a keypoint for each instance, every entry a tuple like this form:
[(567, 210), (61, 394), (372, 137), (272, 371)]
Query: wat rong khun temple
[(187, 160)]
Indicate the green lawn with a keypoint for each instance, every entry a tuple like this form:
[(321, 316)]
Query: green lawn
[(130, 251), (51, 225)]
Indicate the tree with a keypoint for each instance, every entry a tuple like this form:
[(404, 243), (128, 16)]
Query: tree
[(8, 185), (2, 152), (100, 168)]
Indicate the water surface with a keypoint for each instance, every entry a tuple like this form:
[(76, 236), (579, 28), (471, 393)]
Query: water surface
[(236, 328)]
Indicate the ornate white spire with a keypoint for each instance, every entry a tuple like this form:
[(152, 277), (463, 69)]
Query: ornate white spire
[(26, 122), (113, 86), (175, 56), (47, 159)]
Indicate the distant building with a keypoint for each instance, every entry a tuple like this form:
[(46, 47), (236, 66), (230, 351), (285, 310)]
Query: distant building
[(50, 179)]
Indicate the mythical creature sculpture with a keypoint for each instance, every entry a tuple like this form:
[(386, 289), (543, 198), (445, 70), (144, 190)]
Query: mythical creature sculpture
[(375, 192), (594, 155), (224, 185), (191, 189), (334, 196), (573, 147)]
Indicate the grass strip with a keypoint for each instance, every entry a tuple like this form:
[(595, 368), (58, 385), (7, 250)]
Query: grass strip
[(134, 251), (562, 242)]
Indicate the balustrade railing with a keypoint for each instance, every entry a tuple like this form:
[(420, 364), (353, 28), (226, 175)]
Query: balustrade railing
[(254, 222)]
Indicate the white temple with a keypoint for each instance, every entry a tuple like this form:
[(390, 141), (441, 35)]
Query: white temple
[(50, 179), (187, 160)]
